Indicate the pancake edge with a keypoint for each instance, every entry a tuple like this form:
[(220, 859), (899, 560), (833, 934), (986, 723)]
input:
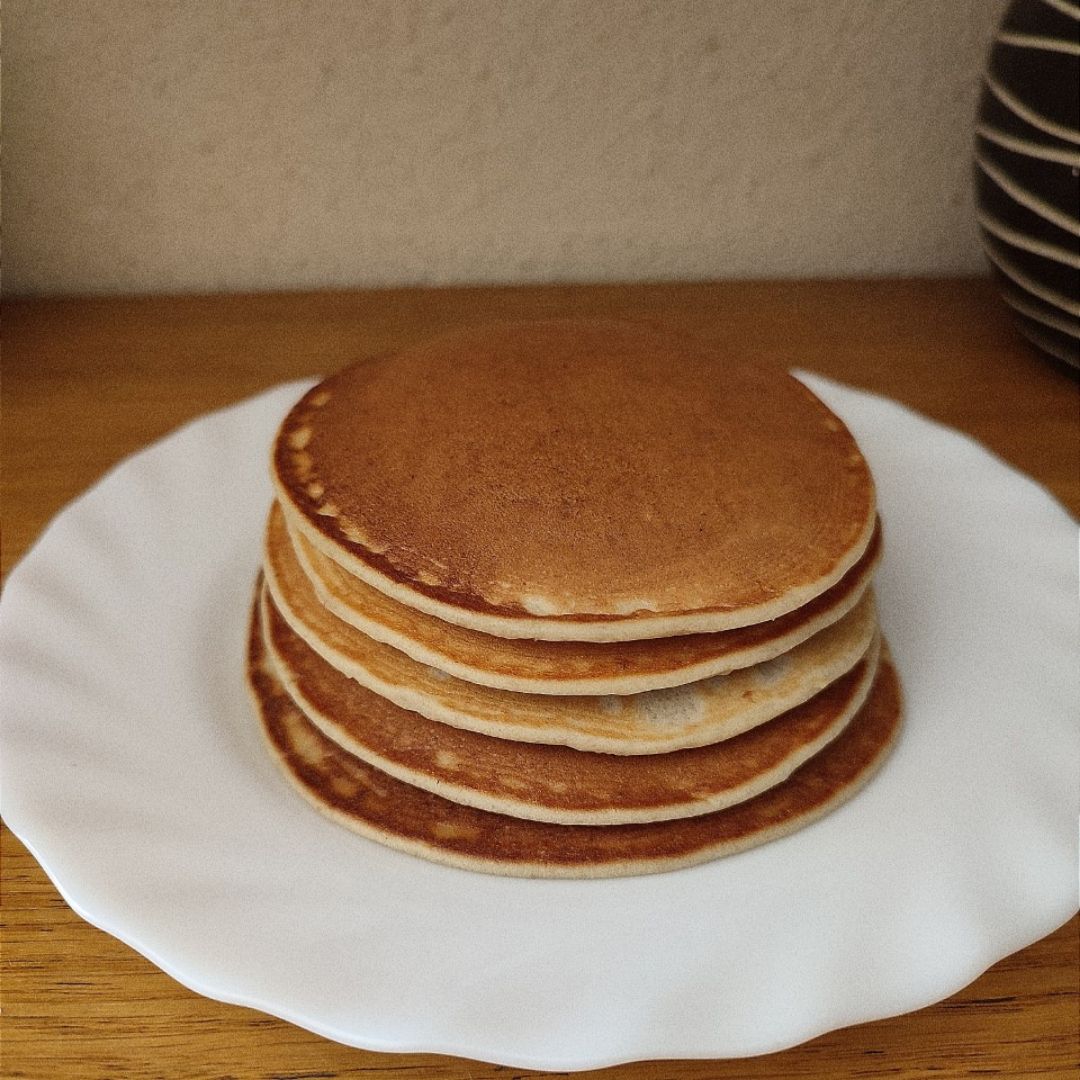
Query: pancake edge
[(591, 871), (586, 871), (409, 699), (532, 811), (599, 685), (600, 627)]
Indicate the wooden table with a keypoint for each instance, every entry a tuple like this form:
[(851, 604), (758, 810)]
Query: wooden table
[(89, 381)]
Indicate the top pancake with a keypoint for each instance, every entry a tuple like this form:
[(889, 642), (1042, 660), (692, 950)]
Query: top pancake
[(577, 480)]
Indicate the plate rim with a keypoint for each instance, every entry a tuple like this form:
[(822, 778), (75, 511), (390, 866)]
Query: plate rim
[(25, 830)]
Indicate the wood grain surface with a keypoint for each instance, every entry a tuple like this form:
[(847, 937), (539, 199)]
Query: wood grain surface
[(89, 381)]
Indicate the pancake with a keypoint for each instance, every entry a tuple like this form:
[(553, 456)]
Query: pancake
[(556, 783), (402, 816), (561, 667), (656, 721), (577, 480)]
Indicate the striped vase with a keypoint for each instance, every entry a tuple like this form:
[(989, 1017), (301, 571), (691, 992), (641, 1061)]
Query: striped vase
[(1027, 157)]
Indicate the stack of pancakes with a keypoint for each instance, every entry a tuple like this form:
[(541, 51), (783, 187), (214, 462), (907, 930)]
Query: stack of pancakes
[(570, 598)]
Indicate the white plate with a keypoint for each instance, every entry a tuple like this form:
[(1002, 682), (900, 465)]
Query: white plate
[(133, 769)]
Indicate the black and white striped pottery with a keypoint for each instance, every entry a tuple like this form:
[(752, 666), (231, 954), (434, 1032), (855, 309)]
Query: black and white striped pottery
[(1027, 176)]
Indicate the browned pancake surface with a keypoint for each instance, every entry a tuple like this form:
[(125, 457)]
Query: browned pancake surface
[(577, 667), (577, 469), (555, 783), (400, 815)]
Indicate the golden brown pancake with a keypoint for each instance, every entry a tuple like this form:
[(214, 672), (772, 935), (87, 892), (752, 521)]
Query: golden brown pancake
[(556, 783), (577, 480), (402, 816), (562, 667), (653, 722)]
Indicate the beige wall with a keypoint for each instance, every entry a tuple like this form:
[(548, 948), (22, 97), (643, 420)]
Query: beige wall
[(155, 145)]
